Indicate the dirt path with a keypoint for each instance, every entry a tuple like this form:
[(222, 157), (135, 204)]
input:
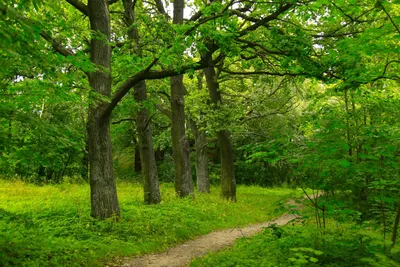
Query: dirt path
[(182, 255)]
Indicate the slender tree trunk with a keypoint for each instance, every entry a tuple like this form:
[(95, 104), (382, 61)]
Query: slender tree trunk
[(85, 160), (103, 189), (228, 182), (396, 224), (180, 145), (147, 159), (203, 181), (138, 162), (202, 175), (148, 162), (348, 132), (10, 121)]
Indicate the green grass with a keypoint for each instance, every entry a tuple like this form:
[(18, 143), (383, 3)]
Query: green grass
[(50, 225), (344, 245)]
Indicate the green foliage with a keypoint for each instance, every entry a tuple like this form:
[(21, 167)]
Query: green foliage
[(340, 245), (50, 225)]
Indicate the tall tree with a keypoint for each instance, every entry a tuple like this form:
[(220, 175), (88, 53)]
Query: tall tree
[(146, 148), (102, 182), (180, 145), (228, 181), (202, 174)]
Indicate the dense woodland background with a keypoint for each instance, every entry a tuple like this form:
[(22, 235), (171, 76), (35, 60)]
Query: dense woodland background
[(300, 94)]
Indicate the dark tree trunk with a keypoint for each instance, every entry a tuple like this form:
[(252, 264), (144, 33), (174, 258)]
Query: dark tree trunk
[(202, 175), (203, 181), (180, 145), (228, 182), (103, 189), (396, 224), (10, 121), (148, 162), (138, 162), (85, 161)]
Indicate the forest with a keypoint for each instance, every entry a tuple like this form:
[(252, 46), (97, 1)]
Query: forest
[(199, 133)]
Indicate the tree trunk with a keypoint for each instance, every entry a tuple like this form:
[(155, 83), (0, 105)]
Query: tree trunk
[(138, 162), (396, 224), (103, 189), (85, 160), (148, 163), (228, 182), (203, 181), (202, 175), (180, 145)]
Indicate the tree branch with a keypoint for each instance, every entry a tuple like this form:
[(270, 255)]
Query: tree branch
[(164, 111), (390, 17), (80, 6), (57, 45), (123, 120), (110, 2), (265, 20), (262, 73)]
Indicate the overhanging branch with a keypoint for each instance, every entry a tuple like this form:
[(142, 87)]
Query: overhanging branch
[(84, 9)]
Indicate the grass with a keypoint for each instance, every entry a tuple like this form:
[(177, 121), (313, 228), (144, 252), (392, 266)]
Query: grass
[(50, 225), (340, 244)]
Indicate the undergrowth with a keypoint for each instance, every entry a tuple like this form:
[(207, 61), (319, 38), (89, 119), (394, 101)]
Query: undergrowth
[(343, 245), (50, 225)]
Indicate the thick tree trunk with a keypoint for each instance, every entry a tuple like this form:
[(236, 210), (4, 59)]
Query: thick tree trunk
[(228, 182), (103, 189), (180, 146), (148, 162), (102, 182)]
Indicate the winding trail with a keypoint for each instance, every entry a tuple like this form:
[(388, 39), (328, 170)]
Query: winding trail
[(183, 254)]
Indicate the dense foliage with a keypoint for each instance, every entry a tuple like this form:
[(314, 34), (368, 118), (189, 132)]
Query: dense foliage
[(285, 93)]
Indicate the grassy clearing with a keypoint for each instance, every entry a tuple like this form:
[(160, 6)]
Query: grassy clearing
[(344, 245), (50, 225)]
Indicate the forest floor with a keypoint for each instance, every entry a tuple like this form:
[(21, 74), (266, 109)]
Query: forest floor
[(47, 225), (183, 254)]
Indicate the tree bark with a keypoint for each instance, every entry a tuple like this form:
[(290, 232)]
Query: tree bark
[(228, 182), (180, 145), (396, 224), (148, 161), (146, 150), (138, 162), (202, 175), (85, 160), (104, 200)]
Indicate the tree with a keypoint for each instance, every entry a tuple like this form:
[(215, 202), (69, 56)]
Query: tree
[(180, 145), (143, 126)]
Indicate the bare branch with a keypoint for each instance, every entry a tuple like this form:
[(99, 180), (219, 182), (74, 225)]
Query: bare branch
[(123, 120)]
